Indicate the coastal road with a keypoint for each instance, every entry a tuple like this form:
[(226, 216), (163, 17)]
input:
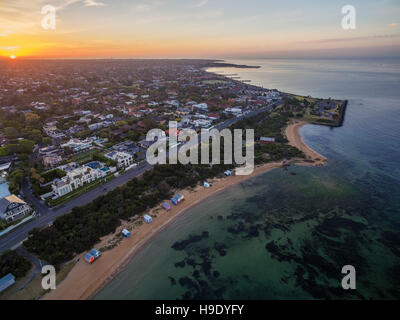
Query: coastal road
[(46, 215)]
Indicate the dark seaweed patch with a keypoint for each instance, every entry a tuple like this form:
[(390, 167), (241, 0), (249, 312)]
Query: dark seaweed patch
[(181, 245), (392, 241), (221, 248), (180, 264), (172, 280), (330, 227)]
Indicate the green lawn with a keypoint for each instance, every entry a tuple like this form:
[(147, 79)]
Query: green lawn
[(84, 157)]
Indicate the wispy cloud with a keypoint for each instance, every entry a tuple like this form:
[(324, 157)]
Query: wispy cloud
[(8, 48), (187, 18), (202, 3), (149, 5), (94, 3), (142, 7), (383, 36)]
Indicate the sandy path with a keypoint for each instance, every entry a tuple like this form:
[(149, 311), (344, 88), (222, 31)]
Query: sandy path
[(85, 280)]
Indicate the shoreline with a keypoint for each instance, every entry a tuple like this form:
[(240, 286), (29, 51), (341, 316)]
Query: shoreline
[(84, 281)]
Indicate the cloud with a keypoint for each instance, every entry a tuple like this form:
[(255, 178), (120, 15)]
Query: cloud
[(93, 3), (383, 36), (142, 7), (8, 48), (394, 24), (202, 3), (149, 6), (87, 3)]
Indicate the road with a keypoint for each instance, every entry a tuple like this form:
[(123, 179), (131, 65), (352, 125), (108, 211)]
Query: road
[(37, 265), (46, 215)]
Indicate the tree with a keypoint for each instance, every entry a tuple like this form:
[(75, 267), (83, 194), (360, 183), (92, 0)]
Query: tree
[(47, 141), (11, 132), (26, 146), (15, 179), (13, 262), (32, 118)]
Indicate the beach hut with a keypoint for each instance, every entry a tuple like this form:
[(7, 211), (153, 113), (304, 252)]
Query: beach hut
[(206, 184), (175, 201), (147, 218), (166, 206), (126, 233), (228, 173), (89, 258), (7, 281)]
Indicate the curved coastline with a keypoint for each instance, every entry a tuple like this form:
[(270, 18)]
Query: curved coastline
[(85, 281)]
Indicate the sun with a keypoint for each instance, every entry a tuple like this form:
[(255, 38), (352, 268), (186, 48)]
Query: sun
[(12, 57)]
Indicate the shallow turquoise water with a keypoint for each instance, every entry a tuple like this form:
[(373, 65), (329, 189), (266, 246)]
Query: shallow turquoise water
[(281, 236)]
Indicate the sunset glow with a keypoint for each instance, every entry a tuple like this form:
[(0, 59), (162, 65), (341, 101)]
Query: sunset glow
[(194, 28)]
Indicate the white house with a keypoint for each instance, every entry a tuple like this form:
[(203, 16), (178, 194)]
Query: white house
[(234, 111), (76, 178), (201, 106), (202, 123), (95, 126), (123, 159), (78, 145)]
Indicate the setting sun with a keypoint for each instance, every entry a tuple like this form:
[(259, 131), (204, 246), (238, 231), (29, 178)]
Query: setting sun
[(12, 57)]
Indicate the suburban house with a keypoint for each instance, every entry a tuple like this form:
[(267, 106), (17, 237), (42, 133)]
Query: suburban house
[(51, 160), (13, 208), (145, 144), (51, 130), (201, 106), (127, 147), (76, 178), (202, 123), (78, 145), (123, 159), (267, 140), (235, 111)]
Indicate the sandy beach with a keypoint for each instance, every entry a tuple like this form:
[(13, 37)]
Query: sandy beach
[(295, 140), (85, 280)]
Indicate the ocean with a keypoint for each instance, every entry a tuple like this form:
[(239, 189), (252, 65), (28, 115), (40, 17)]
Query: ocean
[(282, 236)]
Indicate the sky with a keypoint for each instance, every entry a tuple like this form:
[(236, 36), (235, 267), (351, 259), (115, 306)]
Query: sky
[(199, 29)]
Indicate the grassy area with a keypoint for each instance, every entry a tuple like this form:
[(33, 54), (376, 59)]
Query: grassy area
[(84, 157), (309, 108), (34, 290), (214, 82), (78, 191)]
